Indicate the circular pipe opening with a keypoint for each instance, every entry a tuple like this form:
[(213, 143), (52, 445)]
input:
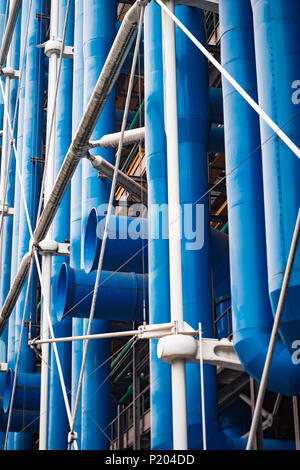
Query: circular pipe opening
[(62, 292), (90, 242), (7, 390)]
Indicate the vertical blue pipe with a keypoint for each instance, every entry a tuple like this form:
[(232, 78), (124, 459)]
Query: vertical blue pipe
[(98, 35), (76, 200), (277, 35), (58, 421)]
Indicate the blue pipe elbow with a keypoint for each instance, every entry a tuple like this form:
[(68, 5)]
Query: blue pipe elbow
[(126, 246), (276, 33), (120, 295)]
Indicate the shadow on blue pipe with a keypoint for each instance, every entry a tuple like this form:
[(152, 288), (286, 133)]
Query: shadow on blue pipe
[(120, 296)]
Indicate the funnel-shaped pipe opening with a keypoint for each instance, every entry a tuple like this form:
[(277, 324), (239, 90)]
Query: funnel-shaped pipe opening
[(120, 298), (27, 392), (7, 390)]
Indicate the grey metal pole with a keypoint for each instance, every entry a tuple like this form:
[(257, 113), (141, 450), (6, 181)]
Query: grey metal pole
[(274, 334)]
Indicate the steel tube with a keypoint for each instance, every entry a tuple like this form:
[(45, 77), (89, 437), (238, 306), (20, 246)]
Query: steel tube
[(9, 30)]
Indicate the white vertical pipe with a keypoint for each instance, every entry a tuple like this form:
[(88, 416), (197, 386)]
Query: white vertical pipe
[(180, 440), (47, 259)]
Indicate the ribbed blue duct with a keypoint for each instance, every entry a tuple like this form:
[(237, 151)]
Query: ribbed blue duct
[(126, 244), (120, 295), (76, 200), (252, 316), (276, 34), (58, 422), (99, 18)]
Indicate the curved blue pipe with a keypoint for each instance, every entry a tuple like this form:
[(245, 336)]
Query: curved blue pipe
[(276, 34), (126, 243), (99, 20), (252, 316), (120, 295), (58, 420)]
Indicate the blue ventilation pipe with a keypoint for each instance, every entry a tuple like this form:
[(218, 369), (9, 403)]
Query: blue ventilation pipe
[(120, 295), (76, 201), (99, 20), (276, 34), (252, 315), (58, 421)]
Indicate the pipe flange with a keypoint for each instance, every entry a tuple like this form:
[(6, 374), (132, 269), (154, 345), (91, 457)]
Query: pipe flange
[(174, 347)]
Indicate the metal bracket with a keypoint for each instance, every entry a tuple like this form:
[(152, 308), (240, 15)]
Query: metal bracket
[(215, 352), (52, 46)]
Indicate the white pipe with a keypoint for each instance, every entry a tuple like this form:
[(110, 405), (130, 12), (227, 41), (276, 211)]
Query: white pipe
[(47, 259), (180, 440), (293, 147), (66, 339)]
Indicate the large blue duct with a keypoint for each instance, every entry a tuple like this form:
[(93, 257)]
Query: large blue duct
[(276, 33), (58, 421), (252, 316)]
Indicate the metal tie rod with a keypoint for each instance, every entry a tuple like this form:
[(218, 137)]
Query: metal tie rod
[(9, 30), (274, 334), (80, 144)]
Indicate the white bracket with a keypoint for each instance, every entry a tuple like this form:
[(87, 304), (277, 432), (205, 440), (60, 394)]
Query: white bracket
[(3, 366), (211, 5), (10, 72), (178, 340)]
